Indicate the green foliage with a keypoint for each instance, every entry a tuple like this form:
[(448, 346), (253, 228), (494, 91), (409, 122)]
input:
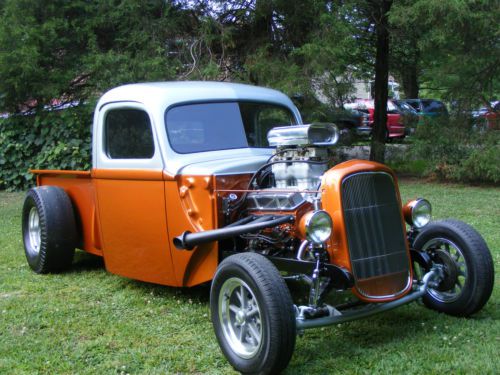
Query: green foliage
[(49, 140), (72, 50), (456, 44), (456, 150)]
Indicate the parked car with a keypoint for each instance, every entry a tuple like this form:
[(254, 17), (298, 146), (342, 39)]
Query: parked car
[(488, 117), (409, 115), (395, 125), (427, 108), (352, 124), (196, 182)]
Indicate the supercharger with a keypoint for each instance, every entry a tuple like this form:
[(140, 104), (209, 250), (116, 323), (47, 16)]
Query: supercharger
[(301, 158)]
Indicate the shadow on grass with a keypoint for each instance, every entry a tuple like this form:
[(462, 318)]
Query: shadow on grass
[(351, 341), (199, 293), (377, 336), (84, 262)]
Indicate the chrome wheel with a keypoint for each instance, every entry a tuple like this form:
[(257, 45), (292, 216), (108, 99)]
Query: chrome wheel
[(240, 317), (34, 230), (447, 254)]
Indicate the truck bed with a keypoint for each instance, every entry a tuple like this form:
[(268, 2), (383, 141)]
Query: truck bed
[(80, 188)]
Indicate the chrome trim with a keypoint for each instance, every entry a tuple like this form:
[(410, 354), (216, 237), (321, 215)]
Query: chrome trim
[(276, 197), (302, 249), (414, 204), (34, 230), (308, 228), (336, 317), (240, 318), (298, 135)]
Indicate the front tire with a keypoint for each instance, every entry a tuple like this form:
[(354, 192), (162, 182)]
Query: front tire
[(49, 229), (252, 314), (467, 264)]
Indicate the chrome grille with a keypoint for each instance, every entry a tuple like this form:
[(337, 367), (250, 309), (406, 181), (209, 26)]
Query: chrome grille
[(375, 234)]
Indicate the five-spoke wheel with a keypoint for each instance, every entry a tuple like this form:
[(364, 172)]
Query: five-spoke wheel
[(239, 313), (252, 313)]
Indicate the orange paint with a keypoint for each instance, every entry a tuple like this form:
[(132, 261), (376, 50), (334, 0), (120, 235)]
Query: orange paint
[(192, 206), (339, 249), (80, 188), (131, 217), (134, 224)]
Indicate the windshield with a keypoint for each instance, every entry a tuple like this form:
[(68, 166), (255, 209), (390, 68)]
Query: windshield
[(406, 107), (222, 126), (434, 106)]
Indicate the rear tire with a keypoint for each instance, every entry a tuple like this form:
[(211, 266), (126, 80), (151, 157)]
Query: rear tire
[(252, 314), (49, 229), (467, 263)]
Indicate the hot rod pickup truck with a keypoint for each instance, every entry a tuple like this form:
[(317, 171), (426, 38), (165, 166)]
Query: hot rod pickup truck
[(196, 182)]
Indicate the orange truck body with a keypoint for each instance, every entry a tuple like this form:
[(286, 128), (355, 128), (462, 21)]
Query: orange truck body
[(131, 217), (126, 220)]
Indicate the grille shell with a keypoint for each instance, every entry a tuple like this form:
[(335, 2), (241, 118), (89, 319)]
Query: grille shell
[(375, 234)]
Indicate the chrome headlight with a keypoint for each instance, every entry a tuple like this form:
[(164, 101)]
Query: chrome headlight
[(418, 212), (317, 226)]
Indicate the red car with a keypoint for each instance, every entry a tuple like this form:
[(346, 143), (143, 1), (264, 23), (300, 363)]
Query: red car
[(488, 117), (395, 126)]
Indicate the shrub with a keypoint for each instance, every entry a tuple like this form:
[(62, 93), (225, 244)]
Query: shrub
[(455, 150), (48, 140)]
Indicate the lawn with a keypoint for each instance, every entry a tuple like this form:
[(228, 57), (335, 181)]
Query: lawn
[(87, 321)]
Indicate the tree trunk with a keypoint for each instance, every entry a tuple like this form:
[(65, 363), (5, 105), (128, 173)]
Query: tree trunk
[(379, 15), (410, 81)]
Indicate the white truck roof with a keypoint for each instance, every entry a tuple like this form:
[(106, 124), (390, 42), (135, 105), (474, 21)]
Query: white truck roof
[(165, 94)]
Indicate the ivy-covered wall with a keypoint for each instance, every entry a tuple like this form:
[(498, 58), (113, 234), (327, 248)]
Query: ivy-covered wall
[(59, 139)]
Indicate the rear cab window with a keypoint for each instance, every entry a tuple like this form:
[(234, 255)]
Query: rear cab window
[(128, 134)]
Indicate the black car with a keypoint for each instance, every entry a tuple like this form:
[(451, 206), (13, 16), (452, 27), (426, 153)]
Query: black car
[(427, 108)]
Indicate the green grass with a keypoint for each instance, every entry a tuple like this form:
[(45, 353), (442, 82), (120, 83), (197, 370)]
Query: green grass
[(88, 321)]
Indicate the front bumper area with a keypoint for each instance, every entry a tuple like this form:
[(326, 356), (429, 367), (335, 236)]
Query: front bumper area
[(335, 316), (363, 131)]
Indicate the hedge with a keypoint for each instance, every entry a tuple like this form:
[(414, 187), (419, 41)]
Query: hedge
[(57, 139)]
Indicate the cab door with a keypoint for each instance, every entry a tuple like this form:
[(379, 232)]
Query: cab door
[(130, 191)]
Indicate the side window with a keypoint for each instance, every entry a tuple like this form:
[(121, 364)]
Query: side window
[(128, 134), (415, 106), (259, 118), (434, 106), (392, 109)]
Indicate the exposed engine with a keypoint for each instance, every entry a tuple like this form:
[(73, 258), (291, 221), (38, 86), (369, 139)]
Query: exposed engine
[(293, 173), (289, 181)]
